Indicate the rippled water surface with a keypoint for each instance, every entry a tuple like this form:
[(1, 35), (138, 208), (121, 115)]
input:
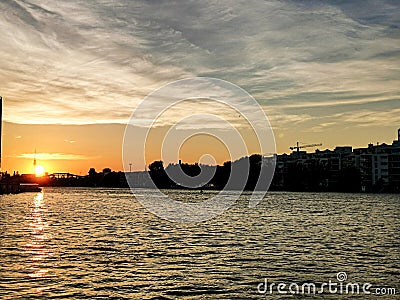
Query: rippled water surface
[(101, 243)]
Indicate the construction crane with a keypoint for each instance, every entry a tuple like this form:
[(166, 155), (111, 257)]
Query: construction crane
[(297, 147)]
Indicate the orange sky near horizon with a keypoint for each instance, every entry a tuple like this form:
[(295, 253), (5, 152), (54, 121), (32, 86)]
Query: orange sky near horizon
[(77, 148)]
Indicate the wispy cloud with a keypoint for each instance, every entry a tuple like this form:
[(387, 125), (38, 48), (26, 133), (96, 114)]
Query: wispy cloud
[(370, 118), (53, 156), (70, 141), (84, 62)]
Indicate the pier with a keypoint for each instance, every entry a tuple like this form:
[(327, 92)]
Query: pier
[(16, 188), (9, 188)]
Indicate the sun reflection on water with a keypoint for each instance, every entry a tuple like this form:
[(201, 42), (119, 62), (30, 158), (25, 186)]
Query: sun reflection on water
[(37, 247)]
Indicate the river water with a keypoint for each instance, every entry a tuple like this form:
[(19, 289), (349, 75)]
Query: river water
[(102, 244)]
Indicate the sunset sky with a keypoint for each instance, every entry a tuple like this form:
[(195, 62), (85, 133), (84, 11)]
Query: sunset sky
[(73, 71)]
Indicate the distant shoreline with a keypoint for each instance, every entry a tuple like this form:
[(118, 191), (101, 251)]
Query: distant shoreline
[(215, 190)]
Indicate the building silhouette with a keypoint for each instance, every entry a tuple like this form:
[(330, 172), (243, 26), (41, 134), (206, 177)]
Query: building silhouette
[(375, 168)]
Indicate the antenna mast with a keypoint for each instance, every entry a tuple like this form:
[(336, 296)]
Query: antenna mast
[(34, 163)]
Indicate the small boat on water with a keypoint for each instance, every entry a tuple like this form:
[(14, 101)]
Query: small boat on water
[(29, 187)]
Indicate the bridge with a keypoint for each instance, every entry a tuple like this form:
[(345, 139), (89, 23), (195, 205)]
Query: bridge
[(64, 176)]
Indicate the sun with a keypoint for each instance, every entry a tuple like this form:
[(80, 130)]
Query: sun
[(39, 171)]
